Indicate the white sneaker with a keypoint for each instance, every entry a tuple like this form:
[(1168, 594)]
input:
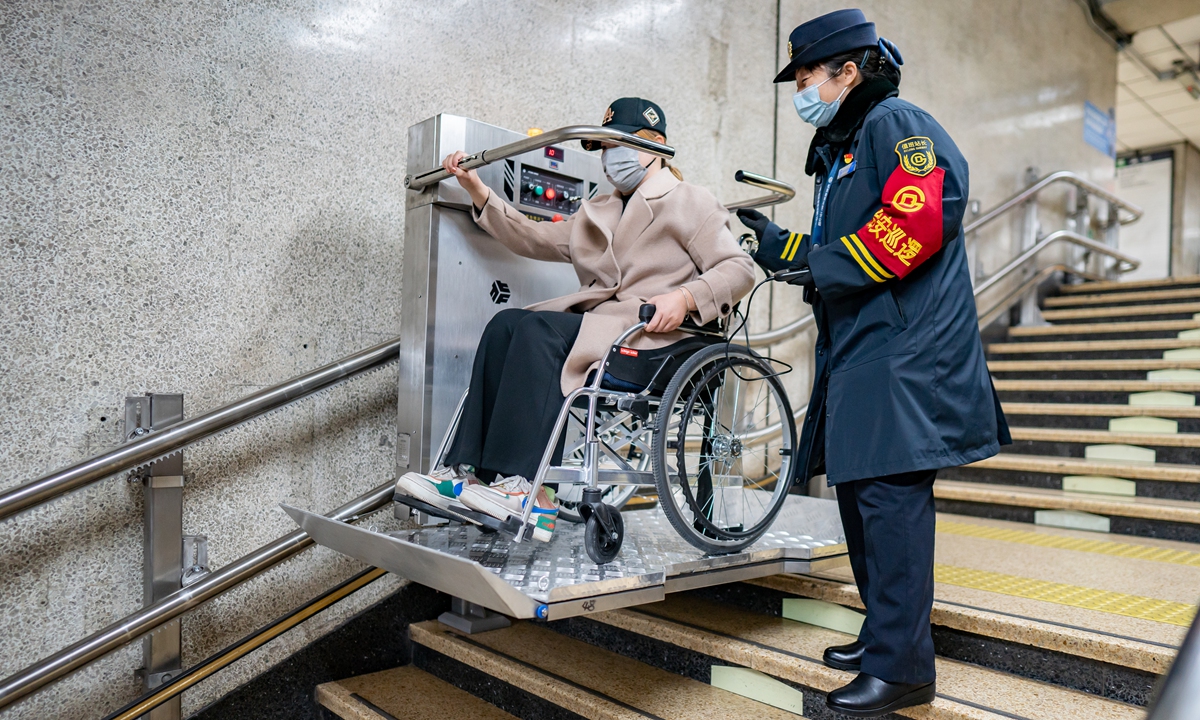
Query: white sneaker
[(509, 498), (439, 488)]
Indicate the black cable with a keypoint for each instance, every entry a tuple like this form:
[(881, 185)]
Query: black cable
[(745, 329)]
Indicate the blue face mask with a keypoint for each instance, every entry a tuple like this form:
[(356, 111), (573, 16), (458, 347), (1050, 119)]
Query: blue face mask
[(812, 109)]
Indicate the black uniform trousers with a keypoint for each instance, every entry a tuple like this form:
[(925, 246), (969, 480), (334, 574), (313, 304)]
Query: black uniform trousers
[(889, 526), (514, 397)]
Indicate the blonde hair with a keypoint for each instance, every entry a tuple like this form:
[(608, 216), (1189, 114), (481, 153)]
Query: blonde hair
[(658, 137)]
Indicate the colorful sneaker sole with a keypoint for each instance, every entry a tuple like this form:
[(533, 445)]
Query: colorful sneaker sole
[(418, 486)]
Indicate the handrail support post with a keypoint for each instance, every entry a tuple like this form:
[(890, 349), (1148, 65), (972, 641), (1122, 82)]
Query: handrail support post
[(162, 550), (1030, 313)]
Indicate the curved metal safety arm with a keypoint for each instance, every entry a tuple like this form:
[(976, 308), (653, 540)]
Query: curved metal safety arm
[(164, 442), (1125, 262), (177, 603), (420, 181), (1135, 212), (781, 192)]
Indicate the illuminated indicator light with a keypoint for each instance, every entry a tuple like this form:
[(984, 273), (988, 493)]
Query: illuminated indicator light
[(533, 131), (550, 194), (538, 191), (556, 218)]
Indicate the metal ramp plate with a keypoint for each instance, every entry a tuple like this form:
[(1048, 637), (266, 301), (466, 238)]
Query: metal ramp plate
[(557, 579)]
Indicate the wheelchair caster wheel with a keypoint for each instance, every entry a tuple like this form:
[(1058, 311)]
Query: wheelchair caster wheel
[(602, 547)]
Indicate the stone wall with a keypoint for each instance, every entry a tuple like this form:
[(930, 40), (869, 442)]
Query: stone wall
[(207, 198)]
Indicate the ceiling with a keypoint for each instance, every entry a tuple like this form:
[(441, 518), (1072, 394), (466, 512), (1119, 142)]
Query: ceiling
[(1135, 15), (1150, 111)]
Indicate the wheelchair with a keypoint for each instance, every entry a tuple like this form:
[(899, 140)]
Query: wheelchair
[(706, 422)]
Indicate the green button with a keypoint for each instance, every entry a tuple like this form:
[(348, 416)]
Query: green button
[(538, 191)]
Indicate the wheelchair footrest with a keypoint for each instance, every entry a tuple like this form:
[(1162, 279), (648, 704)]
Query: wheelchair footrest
[(511, 525)]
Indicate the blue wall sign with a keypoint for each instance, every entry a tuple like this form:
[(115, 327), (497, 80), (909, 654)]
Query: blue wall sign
[(1099, 129)]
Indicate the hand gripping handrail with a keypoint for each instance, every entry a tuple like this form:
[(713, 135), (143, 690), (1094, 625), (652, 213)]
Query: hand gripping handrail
[(1066, 176), (176, 437), (133, 626), (420, 181)]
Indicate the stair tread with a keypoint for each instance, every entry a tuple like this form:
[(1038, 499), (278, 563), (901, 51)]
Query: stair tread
[(1082, 466), (1181, 511), (790, 651), (1074, 300), (1121, 311), (1102, 437), (1117, 286), (1102, 364), (588, 680), (403, 693), (1095, 328), (1099, 385), (1094, 345), (1100, 410)]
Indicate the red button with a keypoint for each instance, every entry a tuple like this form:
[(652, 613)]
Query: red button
[(550, 194), (556, 218)]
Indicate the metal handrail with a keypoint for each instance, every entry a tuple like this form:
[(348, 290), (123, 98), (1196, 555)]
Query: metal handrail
[(420, 181), (1135, 213), (1066, 176), (1177, 694), (149, 618), (1125, 262), (781, 192), (159, 444), (997, 307)]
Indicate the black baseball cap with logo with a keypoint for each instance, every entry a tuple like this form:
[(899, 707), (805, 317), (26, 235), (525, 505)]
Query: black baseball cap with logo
[(631, 114)]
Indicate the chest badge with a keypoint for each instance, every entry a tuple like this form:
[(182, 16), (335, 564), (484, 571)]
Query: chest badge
[(848, 168), (916, 155)]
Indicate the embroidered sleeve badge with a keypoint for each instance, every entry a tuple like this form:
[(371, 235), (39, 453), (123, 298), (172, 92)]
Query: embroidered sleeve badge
[(916, 155)]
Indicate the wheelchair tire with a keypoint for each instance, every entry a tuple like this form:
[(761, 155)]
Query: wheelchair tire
[(698, 382), (600, 548)]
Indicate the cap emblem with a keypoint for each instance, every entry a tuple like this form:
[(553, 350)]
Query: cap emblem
[(608, 116), (790, 53), (651, 116)]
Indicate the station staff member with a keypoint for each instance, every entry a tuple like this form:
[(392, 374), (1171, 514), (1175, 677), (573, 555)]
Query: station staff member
[(901, 384)]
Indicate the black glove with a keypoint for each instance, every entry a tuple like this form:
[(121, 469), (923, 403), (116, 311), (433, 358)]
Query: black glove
[(754, 220)]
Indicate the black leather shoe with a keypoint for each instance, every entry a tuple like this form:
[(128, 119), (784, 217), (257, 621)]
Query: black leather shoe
[(845, 657), (868, 697)]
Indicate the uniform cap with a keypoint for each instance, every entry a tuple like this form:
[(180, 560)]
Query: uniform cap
[(826, 36), (631, 114)]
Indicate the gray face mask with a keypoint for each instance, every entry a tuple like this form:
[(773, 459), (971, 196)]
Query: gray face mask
[(622, 168)]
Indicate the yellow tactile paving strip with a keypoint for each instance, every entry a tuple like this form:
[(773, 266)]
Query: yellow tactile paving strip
[(1063, 542), (1135, 606)]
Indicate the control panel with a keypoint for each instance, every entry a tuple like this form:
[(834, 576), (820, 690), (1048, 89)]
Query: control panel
[(550, 190)]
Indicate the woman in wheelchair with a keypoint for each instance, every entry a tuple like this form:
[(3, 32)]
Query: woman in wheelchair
[(655, 240)]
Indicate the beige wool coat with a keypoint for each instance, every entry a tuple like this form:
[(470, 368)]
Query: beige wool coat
[(671, 234)]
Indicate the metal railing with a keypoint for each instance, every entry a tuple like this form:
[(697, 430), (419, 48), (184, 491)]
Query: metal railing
[(1177, 694), (153, 616), (156, 445), (1063, 176)]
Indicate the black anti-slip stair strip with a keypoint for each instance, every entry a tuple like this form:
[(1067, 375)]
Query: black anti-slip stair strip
[(1163, 490)]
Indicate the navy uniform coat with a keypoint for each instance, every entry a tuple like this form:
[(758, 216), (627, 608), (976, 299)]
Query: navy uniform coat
[(901, 380)]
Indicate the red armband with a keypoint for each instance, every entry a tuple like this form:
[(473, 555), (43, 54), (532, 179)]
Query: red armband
[(907, 230)]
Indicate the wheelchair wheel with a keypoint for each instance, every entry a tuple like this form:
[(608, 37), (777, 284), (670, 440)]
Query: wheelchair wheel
[(600, 547), (722, 452)]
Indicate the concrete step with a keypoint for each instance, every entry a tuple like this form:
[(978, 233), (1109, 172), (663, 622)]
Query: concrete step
[(1093, 369), (1150, 348), (1163, 311), (1087, 391), (1121, 286), (1098, 416), (1146, 517), (1180, 448), (533, 672), (1105, 330), (694, 634), (1080, 475), (1135, 297), (403, 693)]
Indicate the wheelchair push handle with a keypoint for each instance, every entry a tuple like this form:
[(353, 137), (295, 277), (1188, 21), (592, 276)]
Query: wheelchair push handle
[(646, 312)]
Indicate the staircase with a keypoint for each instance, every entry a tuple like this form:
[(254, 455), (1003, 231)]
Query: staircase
[(1068, 567)]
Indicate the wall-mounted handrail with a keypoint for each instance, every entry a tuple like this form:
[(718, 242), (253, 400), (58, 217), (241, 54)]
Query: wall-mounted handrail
[(158, 444), (149, 618), (1063, 176), (1125, 262), (781, 192), (422, 180), (986, 316)]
